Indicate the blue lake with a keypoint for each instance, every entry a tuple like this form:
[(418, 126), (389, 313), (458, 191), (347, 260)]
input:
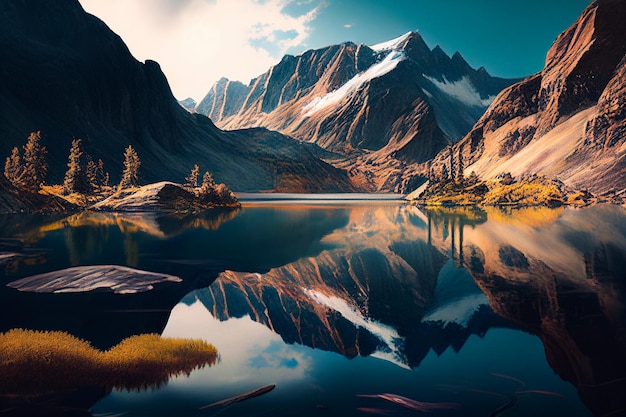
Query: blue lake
[(349, 309)]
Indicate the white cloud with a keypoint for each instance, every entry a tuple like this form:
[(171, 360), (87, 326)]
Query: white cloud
[(198, 41), (347, 26)]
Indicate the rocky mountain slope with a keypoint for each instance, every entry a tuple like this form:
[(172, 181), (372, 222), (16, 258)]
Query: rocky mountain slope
[(568, 121), (383, 107), (66, 74)]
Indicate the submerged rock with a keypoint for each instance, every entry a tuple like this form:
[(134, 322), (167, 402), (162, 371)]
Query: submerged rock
[(119, 279), (168, 197)]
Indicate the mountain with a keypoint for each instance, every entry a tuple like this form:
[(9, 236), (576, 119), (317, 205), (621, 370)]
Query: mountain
[(66, 74), (383, 107), (568, 121), (188, 104)]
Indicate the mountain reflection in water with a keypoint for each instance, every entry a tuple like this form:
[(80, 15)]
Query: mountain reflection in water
[(475, 308), (399, 283)]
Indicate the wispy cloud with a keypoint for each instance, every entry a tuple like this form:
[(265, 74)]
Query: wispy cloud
[(198, 41), (347, 26)]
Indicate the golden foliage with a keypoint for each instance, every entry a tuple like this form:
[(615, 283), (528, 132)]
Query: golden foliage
[(37, 362), (504, 191)]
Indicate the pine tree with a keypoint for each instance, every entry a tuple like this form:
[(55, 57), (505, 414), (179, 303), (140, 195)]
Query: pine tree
[(207, 182), (102, 177), (452, 172), (444, 173), (473, 178), (130, 174), (76, 179), (460, 167), (35, 166), (192, 180), (92, 173), (13, 167)]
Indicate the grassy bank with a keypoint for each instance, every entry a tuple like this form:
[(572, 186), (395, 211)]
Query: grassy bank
[(529, 191), (38, 362)]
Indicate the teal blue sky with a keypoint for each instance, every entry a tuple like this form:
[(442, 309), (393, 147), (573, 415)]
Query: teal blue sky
[(508, 38), (199, 41)]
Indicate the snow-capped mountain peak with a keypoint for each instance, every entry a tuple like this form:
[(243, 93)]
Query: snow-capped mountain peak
[(393, 44)]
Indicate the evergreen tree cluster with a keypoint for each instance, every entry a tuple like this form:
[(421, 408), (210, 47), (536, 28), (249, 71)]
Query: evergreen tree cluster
[(28, 170), (83, 175), (208, 183), (452, 170)]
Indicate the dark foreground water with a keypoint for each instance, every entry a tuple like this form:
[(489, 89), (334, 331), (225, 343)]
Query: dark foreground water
[(370, 308)]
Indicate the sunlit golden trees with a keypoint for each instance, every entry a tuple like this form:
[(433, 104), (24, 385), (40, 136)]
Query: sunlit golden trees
[(96, 174), (207, 181), (29, 171), (35, 165), (192, 180), (130, 174), (13, 167)]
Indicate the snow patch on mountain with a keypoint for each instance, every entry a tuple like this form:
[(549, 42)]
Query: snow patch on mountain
[(460, 311), (377, 70), (392, 44), (388, 335), (462, 90)]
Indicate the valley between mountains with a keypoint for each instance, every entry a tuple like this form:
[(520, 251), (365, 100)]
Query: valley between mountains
[(391, 117)]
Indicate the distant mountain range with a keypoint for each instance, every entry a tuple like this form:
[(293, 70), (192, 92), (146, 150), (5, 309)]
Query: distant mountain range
[(383, 107), (66, 74), (352, 117), (569, 120)]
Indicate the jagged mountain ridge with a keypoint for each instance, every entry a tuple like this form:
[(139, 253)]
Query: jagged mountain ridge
[(66, 74), (386, 106), (566, 121)]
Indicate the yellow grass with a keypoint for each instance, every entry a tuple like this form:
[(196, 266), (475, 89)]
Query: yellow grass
[(77, 199), (38, 362), (532, 191)]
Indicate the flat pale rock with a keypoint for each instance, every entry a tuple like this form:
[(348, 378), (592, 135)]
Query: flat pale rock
[(119, 279)]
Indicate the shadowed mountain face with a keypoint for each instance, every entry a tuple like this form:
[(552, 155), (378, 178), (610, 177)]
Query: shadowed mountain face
[(383, 106), (568, 120), (66, 74)]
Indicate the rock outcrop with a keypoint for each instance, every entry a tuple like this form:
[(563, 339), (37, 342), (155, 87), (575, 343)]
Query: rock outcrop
[(384, 107), (66, 74), (168, 197), (567, 121)]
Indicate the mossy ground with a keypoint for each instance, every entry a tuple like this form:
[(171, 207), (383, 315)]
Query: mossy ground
[(530, 191)]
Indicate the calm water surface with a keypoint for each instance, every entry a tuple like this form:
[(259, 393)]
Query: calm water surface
[(463, 313)]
